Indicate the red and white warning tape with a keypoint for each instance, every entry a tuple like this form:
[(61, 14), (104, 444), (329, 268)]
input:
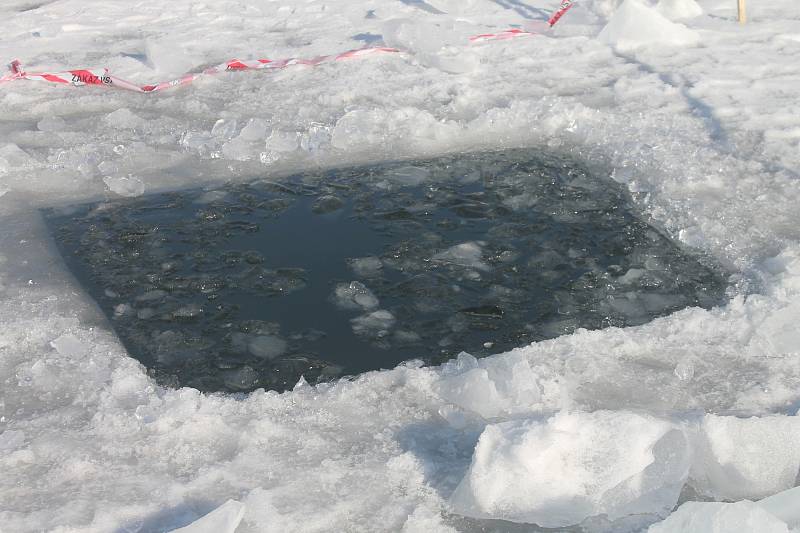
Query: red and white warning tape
[(565, 6), (102, 76)]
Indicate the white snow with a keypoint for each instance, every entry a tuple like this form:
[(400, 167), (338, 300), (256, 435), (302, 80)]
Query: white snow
[(223, 519), (679, 9), (698, 118), (747, 457)]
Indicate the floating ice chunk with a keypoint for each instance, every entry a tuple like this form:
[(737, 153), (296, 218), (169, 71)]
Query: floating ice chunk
[(244, 378), (366, 267), (145, 313), (223, 519), (188, 311), (375, 324), (679, 9), (254, 130), (150, 296), (634, 24), (327, 203), (267, 346), (124, 309), (561, 471), (354, 295), (467, 254), (716, 517), (128, 186), (210, 197), (406, 337), (51, 124), (632, 276), (740, 458), (410, 175)]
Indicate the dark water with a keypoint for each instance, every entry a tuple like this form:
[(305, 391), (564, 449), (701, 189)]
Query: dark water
[(336, 273)]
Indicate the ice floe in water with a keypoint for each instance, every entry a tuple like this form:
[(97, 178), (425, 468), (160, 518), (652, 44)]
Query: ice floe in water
[(354, 295)]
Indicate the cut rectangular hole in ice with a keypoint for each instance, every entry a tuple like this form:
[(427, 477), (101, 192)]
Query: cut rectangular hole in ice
[(339, 272)]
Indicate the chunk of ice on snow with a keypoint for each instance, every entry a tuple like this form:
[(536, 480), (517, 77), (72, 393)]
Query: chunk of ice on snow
[(635, 24), (224, 128), (490, 387), (223, 519), (68, 346), (127, 186), (716, 517), (255, 130), (282, 141), (740, 458), (12, 156), (561, 471)]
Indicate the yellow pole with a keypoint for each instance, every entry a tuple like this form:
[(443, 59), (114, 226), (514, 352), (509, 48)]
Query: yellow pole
[(742, 12)]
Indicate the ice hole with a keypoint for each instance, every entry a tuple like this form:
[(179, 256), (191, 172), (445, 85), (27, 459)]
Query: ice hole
[(339, 272)]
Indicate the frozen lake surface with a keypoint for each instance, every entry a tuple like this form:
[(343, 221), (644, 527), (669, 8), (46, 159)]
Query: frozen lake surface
[(339, 272), (684, 423)]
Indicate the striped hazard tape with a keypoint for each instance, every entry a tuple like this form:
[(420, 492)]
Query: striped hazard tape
[(102, 77)]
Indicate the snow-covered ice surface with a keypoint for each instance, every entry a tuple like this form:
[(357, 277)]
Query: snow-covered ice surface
[(705, 130)]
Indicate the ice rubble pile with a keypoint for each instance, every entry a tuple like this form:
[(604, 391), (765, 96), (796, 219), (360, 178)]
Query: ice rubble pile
[(561, 471), (577, 467)]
